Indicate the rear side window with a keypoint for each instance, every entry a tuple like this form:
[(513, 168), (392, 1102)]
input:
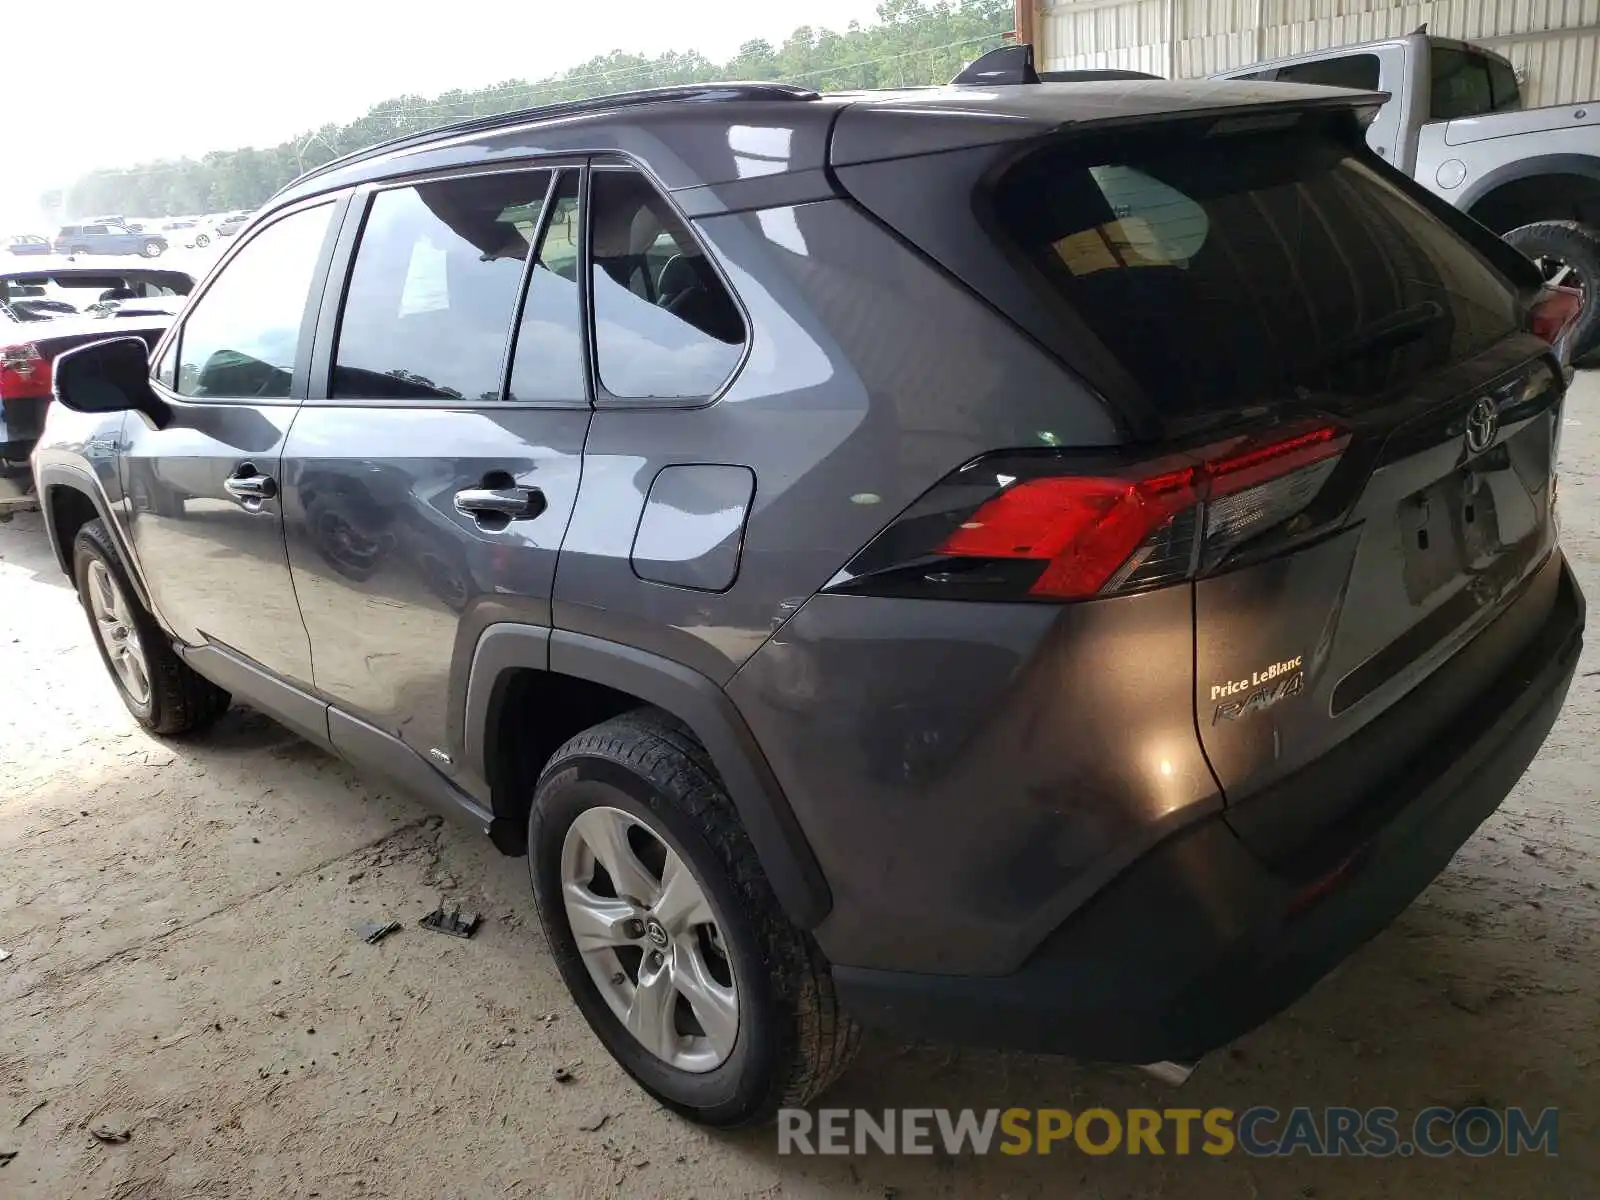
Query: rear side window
[(665, 325), (1469, 85), (1221, 273), (1359, 71), (243, 336), (434, 288)]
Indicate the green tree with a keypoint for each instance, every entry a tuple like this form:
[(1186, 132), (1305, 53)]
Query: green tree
[(913, 42)]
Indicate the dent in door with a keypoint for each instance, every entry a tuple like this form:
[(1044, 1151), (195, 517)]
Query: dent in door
[(692, 527)]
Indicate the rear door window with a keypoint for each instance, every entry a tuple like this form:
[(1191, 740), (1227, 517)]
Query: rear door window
[(1359, 71), (666, 326), (1223, 273), (434, 288), (1466, 84)]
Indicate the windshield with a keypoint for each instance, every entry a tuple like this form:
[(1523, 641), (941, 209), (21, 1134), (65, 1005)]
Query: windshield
[(1227, 272)]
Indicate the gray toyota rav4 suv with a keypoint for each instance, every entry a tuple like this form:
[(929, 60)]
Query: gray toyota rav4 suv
[(1049, 564)]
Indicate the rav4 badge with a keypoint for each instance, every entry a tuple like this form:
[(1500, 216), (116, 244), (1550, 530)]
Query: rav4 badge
[(1263, 689)]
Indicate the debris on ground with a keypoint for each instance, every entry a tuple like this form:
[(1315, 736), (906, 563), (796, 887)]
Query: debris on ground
[(6, 1156), (23, 1120), (594, 1122), (375, 931), (4, 954), (564, 1074), (110, 1135), (452, 923)]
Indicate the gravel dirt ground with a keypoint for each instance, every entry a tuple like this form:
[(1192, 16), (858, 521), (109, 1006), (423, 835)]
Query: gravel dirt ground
[(182, 968)]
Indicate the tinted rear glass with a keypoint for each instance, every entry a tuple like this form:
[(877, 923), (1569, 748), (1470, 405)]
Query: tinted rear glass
[(1359, 71), (1469, 85), (1234, 271)]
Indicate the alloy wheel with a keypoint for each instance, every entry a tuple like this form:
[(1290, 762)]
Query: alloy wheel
[(650, 938), (113, 621), (1558, 272)]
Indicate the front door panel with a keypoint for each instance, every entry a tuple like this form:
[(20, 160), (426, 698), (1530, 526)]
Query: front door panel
[(203, 495), (214, 562)]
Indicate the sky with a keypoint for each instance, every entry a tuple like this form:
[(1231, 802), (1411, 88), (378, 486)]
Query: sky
[(167, 78)]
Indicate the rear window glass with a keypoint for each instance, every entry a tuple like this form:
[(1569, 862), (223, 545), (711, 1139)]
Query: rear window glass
[(1468, 85), (1229, 272), (1358, 71)]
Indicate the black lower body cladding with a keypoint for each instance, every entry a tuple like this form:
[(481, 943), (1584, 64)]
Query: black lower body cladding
[(1200, 940)]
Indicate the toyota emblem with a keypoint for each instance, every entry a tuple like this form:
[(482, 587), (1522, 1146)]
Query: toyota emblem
[(1483, 423)]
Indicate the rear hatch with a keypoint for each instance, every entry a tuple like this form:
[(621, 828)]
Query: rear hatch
[(1366, 430)]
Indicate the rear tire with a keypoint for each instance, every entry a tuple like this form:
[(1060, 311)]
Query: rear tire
[(647, 774), (1569, 253), (202, 241), (163, 692)]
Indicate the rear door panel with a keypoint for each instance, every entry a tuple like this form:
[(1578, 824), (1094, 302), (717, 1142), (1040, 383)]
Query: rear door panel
[(396, 582)]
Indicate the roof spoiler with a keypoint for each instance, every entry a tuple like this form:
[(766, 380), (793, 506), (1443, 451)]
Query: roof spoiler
[(1014, 64)]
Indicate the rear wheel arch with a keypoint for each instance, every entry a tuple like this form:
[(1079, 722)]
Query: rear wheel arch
[(530, 689), (1557, 187)]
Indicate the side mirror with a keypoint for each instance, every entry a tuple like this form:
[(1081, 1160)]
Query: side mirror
[(110, 376)]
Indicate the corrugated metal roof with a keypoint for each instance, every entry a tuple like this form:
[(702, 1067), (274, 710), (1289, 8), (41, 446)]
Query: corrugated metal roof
[(1555, 42)]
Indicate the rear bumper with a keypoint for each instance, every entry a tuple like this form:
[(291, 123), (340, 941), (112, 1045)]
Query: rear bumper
[(1200, 941)]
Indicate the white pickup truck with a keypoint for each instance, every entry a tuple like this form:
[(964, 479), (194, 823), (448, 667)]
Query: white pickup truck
[(1455, 123)]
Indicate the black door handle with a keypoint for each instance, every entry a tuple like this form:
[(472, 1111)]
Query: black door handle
[(512, 503), (248, 484)]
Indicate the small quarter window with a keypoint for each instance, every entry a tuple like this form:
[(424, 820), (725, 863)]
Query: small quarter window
[(665, 326), (167, 368)]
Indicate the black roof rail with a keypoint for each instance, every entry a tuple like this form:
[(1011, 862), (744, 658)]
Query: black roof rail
[(1014, 64), (676, 93)]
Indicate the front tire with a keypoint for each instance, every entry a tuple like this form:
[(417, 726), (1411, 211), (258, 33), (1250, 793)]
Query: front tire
[(688, 971), (153, 249), (163, 692), (1567, 253), (202, 241)]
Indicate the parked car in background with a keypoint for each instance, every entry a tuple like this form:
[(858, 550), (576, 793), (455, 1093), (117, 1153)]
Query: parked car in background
[(71, 290), (32, 302), (29, 347), (188, 232), (101, 238), (21, 244), (232, 223), (1453, 120)]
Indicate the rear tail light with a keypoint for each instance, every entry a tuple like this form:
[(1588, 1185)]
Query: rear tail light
[(24, 372), (1554, 313), (1028, 526)]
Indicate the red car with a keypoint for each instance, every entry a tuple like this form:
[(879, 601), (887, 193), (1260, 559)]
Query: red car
[(104, 304)]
